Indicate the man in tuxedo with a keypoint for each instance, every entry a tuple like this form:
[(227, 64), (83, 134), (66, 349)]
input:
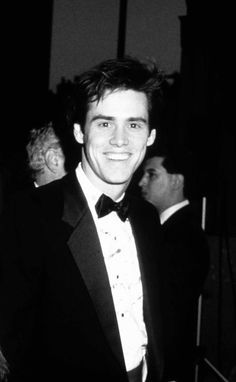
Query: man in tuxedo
[(184, 266), (79, 285)]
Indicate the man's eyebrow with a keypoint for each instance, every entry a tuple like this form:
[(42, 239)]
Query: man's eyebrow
[(137, 119), (102, 116), (110, 118), (151, 171)]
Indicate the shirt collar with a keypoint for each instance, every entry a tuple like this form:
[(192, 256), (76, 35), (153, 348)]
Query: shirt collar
[(171, 210)]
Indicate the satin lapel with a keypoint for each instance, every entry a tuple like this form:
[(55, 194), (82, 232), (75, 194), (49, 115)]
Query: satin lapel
[(139, 229), (86, 250)]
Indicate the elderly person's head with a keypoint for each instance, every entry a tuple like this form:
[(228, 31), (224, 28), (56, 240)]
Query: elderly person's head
[(46, 159)]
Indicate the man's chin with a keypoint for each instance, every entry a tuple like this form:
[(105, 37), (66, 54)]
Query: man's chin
[(118, 181)]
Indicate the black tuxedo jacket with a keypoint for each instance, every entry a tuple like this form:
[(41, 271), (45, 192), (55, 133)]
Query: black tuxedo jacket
[(57, 318), (184, 268)]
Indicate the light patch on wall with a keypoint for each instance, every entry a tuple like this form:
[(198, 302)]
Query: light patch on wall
[(153, 30)]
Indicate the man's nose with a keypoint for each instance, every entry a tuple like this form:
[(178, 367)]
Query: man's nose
[(119, 137), (142, 181)]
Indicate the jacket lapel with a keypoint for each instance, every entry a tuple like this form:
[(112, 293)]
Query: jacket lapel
[(86, 250)]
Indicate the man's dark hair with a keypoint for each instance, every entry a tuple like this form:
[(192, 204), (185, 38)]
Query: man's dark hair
[(175, 163), (117, 74)]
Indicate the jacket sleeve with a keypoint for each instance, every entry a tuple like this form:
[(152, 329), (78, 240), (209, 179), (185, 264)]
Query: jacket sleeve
[(20, 269)]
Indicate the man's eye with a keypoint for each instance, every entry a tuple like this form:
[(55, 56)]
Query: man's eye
[(134, 125), (153, 175), (104, 124)]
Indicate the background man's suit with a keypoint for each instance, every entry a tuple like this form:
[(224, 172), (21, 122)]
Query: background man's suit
[(184, 267), (57, 315)]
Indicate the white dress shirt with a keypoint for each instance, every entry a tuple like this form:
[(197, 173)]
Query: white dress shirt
[(120, 256)]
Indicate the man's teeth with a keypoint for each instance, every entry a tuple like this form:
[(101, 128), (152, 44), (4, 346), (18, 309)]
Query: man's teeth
[(118, 156)]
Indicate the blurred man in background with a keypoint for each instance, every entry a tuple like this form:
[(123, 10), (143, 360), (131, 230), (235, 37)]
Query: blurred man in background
[(185, 264)]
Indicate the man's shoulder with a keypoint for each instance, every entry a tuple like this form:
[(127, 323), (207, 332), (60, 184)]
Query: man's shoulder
[(143, 208), (184, 226), (51, 197), (186, 215), (56, 187), (33, 202), (144, 217)]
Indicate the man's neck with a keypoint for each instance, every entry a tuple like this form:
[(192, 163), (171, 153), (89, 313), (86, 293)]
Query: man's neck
[(170, 202), (114, 191)]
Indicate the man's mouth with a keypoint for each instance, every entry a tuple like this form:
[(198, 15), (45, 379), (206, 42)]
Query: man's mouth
[(117, 156)]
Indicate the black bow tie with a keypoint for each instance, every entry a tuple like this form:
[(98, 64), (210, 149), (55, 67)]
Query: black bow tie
[(105, 205)]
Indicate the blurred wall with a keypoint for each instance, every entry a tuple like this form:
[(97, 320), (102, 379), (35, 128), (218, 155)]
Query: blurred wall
[(85, 32)]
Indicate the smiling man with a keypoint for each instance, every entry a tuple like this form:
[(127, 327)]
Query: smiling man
[(115, 139), (84, 302)]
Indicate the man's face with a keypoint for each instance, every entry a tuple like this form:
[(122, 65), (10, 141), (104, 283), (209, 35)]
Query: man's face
[(115, 137), (156, 183)]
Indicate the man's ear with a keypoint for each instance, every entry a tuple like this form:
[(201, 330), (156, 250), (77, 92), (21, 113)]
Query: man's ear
[(177, 181), (151, 137), (78, 134), (52, 160)]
